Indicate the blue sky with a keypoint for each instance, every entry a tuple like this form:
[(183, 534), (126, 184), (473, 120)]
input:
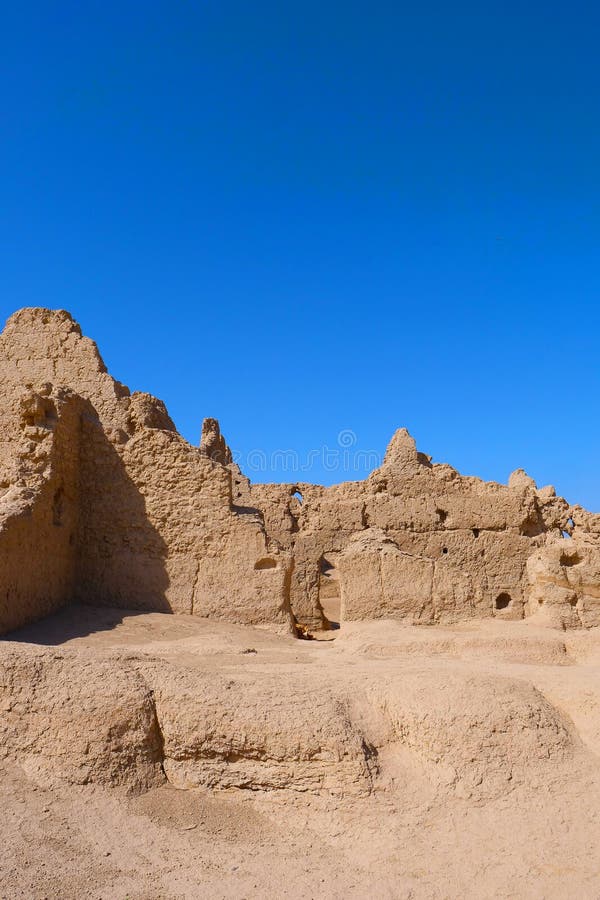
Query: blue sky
[(319, 219)]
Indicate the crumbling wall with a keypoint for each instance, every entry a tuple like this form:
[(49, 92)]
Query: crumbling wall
[(39, 505), (380, 580), (564, 582), (415, 540), (161, 532), (156, 526), (105, 503)]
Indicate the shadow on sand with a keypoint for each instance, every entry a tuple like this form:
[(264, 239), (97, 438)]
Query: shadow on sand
[(74, 621)]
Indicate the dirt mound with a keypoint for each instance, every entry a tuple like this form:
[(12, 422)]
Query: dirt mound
[(68, 717)]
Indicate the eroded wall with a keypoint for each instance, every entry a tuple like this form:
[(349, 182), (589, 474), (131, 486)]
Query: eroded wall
[(103, 502), (151, 519), (39, 505), (415, 540)]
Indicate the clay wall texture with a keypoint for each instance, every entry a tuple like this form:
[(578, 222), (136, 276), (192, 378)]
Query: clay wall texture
[(148, 520), (103, 502)]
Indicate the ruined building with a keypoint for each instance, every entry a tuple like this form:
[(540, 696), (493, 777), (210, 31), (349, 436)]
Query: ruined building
[(103, 502)]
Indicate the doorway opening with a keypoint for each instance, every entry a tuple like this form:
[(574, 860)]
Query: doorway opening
[(329, 591)]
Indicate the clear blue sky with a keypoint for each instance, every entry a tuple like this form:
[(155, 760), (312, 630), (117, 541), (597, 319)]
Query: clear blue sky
[(309, 218)]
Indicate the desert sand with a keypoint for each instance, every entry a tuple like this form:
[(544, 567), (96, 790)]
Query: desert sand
[(486, 786)]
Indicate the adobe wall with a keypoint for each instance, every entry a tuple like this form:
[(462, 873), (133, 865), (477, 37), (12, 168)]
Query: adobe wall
[(154, 523), (103, 502), (165, 521), (39, 505), (415, 540)]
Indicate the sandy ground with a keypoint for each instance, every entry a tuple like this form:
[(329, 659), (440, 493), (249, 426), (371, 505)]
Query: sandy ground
[(534, 841)]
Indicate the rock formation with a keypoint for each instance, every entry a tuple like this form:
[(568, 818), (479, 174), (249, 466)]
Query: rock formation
[(104, 503)]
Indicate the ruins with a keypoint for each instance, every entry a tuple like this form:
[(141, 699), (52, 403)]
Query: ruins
[(103, 502), (163, 733)]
